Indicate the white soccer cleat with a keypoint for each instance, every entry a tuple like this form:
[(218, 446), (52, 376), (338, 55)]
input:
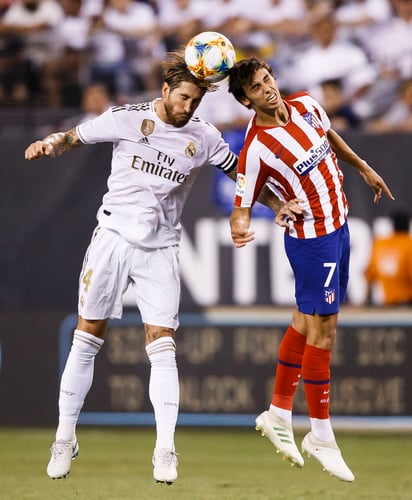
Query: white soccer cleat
[(329, 455), (280, 433), (62, 454), (164, 466)]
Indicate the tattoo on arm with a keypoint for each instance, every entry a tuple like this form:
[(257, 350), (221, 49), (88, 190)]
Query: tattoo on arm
[(63, 142), (72, 138)]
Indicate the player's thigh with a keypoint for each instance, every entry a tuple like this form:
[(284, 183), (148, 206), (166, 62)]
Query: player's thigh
[(156, 284), (104, 276), (320, 267)]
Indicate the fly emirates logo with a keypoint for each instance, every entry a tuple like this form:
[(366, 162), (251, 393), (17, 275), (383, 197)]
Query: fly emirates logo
[(313, 157), (162, 166)]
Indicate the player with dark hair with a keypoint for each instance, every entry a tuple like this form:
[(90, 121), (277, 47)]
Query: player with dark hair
[(290, 146), (158, 149)]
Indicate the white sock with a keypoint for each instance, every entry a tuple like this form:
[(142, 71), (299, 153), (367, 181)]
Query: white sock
[(164, 389), (281, 413), (322, 429), (76, 381)]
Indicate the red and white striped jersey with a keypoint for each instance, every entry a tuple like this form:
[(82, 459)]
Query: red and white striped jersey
[(295, 161)]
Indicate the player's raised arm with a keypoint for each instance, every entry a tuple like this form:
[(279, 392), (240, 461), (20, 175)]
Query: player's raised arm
[(346, 154), (53, 145)]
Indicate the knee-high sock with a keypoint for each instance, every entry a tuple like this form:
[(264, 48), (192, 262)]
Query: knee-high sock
[(76, 381), (164, 389), (316, 379), (288, 371)]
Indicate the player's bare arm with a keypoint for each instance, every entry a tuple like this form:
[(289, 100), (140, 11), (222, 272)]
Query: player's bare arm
[(239, 226), (284, 211), (53, 145), (346, 154)]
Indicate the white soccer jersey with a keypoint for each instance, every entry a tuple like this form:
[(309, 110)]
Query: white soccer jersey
[(296, 161), (153, 168)]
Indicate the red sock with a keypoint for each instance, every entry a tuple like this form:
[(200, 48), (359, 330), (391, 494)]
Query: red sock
[(288, 368), (316, 377)]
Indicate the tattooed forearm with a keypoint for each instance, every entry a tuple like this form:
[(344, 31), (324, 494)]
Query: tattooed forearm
[(62, 142)]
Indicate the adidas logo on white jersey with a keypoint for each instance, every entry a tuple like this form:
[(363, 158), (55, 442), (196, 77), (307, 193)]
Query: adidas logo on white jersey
[(144, 140)]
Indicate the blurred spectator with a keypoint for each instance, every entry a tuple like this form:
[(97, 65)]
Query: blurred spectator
[(359, 17), (239, 21), (398, 118), (389, 272), (283, 26), (283, 18), (92, 8), (30, 22), (125, 34), (180, 20), (64, 71), (319, 8), (340, 111), (228, 17), (389, 46), (4, 6), (354, 53), (95, 99), (329, 57), (12, 67)]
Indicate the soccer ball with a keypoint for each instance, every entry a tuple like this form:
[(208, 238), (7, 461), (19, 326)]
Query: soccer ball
[(209, 56)]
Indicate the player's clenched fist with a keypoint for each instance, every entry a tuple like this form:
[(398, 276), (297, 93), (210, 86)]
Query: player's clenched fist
[(53, 145), (46, 147)]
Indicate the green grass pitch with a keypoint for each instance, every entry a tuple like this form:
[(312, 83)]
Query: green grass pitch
[(214, 464)]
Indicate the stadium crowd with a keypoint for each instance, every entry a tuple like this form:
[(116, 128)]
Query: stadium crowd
[(354, 56)]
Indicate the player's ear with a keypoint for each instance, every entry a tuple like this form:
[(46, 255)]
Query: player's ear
[(165, 90), (245, 101)]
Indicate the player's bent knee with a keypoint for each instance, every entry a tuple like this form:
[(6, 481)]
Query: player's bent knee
[(96, 327), (153, 332)]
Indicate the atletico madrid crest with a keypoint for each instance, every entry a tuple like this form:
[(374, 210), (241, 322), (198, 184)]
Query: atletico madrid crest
[(330, 296)]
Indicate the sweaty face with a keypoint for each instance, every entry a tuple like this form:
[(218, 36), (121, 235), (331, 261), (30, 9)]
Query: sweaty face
[(180, 103), (262, 92)]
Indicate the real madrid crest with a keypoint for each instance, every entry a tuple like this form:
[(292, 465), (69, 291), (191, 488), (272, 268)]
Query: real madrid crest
[(190, 150), (147, 127)]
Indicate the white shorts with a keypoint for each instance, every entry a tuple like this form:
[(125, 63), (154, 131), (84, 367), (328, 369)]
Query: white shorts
[(111, 264)]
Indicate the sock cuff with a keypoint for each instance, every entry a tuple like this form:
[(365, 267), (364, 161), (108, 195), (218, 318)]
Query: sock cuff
[(292, 347), (161, 345), (88, 339), (298, 339), (291, 329), (317, 357)]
